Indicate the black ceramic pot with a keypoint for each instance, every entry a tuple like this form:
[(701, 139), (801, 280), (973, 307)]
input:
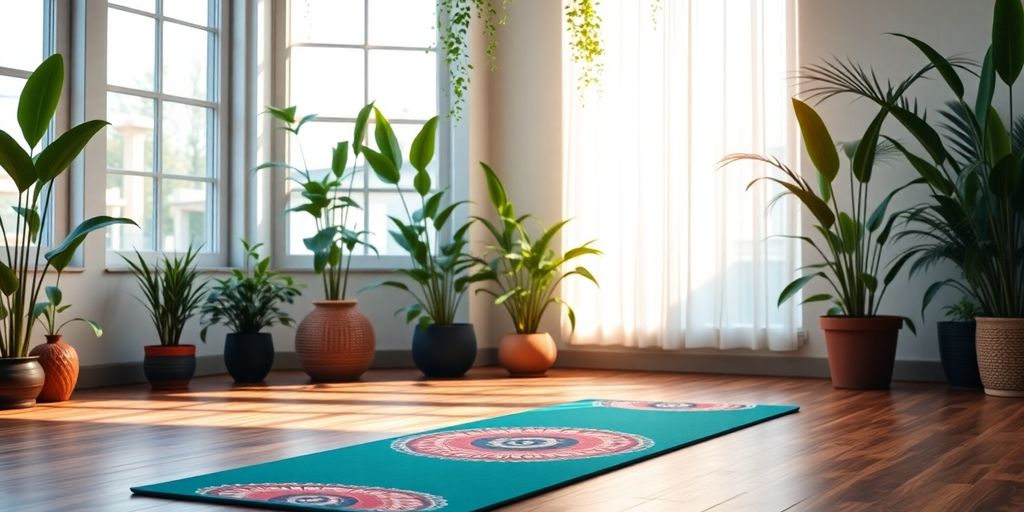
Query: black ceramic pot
[(169, 367), (21, 380), (959, 358), (444, 350), (249, 357)]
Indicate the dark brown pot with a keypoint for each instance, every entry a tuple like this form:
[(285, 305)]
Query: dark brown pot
[(60, 363), (861, 350), (169, 367), (21, 379), (335, 342)]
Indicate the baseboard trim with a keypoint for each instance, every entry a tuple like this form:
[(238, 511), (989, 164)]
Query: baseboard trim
[(120, 374), (775, 366)]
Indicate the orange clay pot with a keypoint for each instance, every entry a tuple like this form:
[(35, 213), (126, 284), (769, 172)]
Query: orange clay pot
[(335, 342), (60, 363), (527, 355)]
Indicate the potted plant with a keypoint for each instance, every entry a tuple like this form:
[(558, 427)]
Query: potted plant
[(23, 266), (247, 302), (441, 272), (957, 345), (854, 237), (334, 342), (171, 295), (974, 173), (58, 359), (526, 273)]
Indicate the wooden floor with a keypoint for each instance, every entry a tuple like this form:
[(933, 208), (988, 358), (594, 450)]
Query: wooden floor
[(919, 447)]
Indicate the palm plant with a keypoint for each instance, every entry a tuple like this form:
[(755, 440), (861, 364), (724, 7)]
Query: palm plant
[(526, 272), (441, 271), (854, 232), (170, 292), (250, 300), (974, 173), (328, 200), (23, 266)]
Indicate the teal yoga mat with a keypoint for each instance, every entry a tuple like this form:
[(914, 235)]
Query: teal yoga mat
[(473, 466)]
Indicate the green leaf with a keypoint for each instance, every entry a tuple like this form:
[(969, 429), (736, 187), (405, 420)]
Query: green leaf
[(60, 153), (792, 288), (1008, 39), (931, 292), (61, 255), (817, 140), (821, 297), (500, 299), (925, 135), (941, 64), (359, 133), (422, 150), (286, 115), (495, 189), (986, 89), (850, 231), (8, 280), (382, 166), (931, 174), (910, 325), (39, 309), (54, 295), (16, 162), (31, 217), (432, 204), (305, 119), (339, 159), (878, 216), (870, 281), (997, 139), (443, 216), (864, 156), (1004, 176), (421, 182), (39, 98), (387, 143)]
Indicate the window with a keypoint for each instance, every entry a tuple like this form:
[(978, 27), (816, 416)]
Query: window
[(27, 36), (340, 55), (164, 103)]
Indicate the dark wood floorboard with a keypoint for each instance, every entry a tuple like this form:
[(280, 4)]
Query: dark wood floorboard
[(918, 447)]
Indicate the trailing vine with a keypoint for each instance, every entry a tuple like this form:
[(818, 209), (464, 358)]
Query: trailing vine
[(585, 45), (454, 18)]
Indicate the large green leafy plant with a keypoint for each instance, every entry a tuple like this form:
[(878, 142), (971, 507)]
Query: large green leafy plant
[(974, 218), (23, 265), (327, 198), (524, 269), (250, 299), (441, 271), (171, 292), (854, 233)]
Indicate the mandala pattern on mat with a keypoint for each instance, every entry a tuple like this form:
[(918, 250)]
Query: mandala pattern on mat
[(671, 406), (330, 496), (521, 444)]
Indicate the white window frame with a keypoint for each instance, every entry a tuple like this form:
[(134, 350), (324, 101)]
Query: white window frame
[(280, 48), (56, 39), (217, 252)]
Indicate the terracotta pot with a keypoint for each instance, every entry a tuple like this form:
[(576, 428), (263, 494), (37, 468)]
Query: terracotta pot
[(527, 355), (444, 351), (21, 380), (959, 355), (1001, 355), (169, 367), (60, 363), (861, 350), (335, 342)]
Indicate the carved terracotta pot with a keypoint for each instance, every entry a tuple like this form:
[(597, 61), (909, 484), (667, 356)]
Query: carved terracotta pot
[(335, 342), (60, 363), (527, 355)]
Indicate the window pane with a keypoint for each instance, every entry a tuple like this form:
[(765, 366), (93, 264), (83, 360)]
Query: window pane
[(414, 27), (10, 91), (132, 197), (392, 72), (315, 146), (327, 21), (185, 51), (184, 137), (405, 133), (381, 205), (21, 30), (327, 81), (130, 134), (130, 50), (193, 11), (183, 215), (139, 5)]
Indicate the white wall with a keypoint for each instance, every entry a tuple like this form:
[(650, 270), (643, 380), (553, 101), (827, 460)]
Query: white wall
[(526, 113)]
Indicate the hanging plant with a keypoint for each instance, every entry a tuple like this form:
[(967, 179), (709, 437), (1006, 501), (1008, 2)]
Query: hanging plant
[(454, 18), (585, 45)]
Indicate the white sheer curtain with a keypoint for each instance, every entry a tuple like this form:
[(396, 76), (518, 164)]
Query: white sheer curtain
[(690, 257)]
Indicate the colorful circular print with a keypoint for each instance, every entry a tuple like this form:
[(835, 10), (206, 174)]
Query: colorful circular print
[(521, 444), (330, 497), (671, 406)]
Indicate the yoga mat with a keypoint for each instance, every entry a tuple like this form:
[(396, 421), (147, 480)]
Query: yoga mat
[(473, 466)]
